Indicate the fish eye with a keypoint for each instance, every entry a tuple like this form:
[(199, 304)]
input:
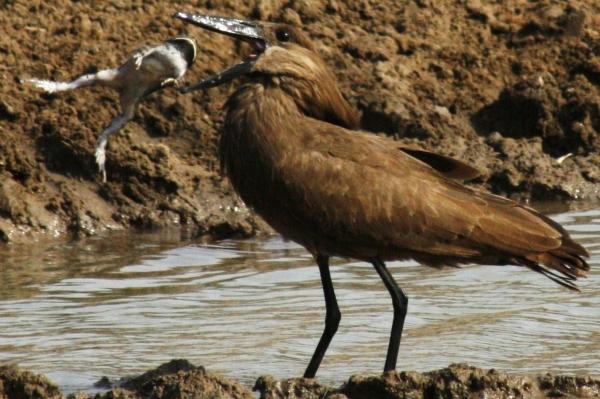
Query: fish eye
[(283, 35)]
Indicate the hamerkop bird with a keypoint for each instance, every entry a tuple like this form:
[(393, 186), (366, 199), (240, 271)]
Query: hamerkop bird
[(291, 152), (147, 70)]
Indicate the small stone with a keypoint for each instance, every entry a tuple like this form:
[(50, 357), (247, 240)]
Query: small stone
[(442, 111), (7, 112), (560, 160), (85, 25), (575, 23), (540, 81), (577, 127), (552, 12), (494, 138), (479, 11), (103, 383)]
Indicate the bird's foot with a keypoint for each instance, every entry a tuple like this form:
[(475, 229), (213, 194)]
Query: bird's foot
[(170, 82)]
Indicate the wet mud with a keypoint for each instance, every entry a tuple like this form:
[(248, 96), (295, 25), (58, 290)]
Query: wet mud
[(180, 379), (16, 383), (512, 87)]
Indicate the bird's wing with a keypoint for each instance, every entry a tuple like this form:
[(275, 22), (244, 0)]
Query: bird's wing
[(449, 167), (362, 191)]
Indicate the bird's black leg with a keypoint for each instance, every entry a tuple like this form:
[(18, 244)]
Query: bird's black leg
[(400, 302), (332, 317)]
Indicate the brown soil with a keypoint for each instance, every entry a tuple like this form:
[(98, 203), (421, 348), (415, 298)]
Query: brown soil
[(457, 381), (509, 86), (180, 379), (22, 384)]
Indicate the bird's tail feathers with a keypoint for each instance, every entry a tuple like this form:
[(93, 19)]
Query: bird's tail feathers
[(563, 265)]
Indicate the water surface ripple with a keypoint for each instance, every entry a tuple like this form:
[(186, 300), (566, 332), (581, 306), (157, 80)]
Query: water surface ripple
[(119, 304)]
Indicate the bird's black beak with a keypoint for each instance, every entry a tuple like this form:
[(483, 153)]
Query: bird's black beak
[(247, 31), (237, 28)]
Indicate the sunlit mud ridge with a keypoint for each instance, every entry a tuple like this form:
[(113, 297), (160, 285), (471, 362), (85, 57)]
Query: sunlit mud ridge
[(180, 379)]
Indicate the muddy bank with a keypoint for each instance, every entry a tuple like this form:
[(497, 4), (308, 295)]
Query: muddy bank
[(22, 384), (180, 379), (511, 87)]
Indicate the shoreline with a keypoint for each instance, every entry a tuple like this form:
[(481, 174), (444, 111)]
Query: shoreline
[(181, 379)]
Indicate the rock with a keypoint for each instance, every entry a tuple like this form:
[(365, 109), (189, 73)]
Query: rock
[(7, 112), (103, 383), (180, 379), (458, 381), (176, 379), (295, 388), (16, 383)]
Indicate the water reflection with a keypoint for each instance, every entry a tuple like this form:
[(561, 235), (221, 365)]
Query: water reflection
[(117, 305)]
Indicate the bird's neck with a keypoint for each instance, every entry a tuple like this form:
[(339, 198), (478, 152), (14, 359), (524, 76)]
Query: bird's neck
[(265, 118), (321, 100), (262, 128), (318, 98), (261, 119)]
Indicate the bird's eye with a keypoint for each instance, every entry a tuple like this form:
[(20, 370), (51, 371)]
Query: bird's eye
[(283, 35)]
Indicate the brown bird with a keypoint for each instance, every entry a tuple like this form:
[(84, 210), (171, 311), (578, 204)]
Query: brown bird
[(291, 152)]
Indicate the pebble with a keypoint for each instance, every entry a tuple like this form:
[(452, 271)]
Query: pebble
[(7, 112), (442, 111)]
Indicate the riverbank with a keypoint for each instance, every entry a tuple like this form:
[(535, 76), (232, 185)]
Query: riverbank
[(181, 379), (511, 87)]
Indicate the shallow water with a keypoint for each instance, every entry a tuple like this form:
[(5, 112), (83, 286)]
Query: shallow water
[(120, 304)]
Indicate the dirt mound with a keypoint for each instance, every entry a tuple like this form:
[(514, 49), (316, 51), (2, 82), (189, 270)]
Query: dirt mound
[(175, 380), (180, 379), (511, 87), (22, 384), (457, 381)]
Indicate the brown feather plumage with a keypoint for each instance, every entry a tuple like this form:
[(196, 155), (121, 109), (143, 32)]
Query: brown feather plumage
[(290, 156)]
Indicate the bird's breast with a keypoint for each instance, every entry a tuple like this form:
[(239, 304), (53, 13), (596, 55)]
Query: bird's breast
[(258, 149)]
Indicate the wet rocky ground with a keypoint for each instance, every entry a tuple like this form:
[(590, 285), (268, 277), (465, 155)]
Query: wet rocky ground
[(180, 379), (512, 87)]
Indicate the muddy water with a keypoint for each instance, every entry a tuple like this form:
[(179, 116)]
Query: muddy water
[(120, 304)]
